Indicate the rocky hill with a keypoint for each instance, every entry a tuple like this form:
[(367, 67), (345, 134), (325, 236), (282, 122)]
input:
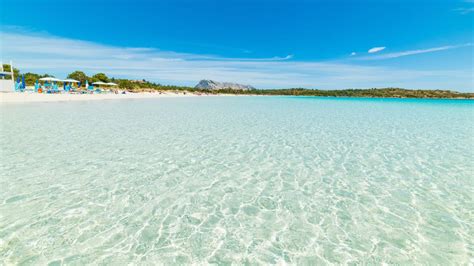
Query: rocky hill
[(214, 85)]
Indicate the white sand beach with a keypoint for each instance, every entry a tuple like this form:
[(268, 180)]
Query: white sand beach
[(39, 97)]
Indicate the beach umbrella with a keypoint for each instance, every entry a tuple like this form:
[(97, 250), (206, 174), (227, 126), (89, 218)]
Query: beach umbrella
[(17, 84), (111, 84), (71, 80), (79, 84), (64, 86), (98, 83), (87, 84), (23, 83), (49, 79)]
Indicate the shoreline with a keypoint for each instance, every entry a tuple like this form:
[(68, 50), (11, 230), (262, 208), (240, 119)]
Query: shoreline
[(22, 97), (30, 97)]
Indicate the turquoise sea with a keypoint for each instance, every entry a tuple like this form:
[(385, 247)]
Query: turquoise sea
[(257, 180)]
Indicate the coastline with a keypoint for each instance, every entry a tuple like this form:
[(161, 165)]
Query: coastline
[(29, 97), (15, 97)]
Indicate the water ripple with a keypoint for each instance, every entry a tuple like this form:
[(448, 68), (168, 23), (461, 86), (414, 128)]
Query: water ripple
[(257, 180)]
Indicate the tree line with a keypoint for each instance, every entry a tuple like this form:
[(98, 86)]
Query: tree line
[(127, 84), (144, 85)]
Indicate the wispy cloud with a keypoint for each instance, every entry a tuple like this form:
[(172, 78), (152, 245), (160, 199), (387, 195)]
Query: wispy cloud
[(275, 58), (59, 56), (376, 49), (464, 10), (413, 52)]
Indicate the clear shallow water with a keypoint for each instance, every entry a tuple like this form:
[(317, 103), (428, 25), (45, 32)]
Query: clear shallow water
[(237, 179)]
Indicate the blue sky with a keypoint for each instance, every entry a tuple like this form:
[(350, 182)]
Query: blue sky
[(325, 44)]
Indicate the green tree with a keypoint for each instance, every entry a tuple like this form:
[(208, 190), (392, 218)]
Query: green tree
[(78, 75), (31, 78), (100, 77), (7, 68), (127, 84)]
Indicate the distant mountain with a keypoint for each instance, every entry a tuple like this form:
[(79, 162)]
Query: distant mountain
[(214, 85)]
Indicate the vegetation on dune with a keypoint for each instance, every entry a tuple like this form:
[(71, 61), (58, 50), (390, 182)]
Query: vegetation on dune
[(100, 77), (147, 86), (78, 75), (369, 93)]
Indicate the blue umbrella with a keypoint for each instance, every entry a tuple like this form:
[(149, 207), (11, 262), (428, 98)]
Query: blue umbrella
[(17, 84), (79, 84), (64, 86), (23, 83)]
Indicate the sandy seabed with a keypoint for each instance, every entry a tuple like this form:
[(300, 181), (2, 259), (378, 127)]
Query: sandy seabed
[(39, 97)]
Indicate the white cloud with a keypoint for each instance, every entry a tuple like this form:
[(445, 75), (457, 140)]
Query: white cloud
[(60, 56), (353, 53), (376, 49), (413, 52), (464, 10), (275, 58)]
